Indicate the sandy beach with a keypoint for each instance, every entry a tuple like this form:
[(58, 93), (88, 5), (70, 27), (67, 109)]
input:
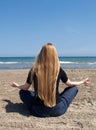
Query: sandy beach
[(81, 115)]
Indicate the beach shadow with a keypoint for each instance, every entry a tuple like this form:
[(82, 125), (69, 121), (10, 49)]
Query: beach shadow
[(16, 107)]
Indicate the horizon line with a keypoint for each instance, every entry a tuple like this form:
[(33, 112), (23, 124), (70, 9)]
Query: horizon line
[(58, 56)]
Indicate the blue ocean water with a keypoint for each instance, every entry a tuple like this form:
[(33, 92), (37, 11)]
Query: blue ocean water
[(66, 62)]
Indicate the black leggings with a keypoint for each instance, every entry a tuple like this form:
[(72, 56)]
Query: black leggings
[(28, 97)]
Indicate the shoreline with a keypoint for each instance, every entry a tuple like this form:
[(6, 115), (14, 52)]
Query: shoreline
[(69, 62), (62, 68)]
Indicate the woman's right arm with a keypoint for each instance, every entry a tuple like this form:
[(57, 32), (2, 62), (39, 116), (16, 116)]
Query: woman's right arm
[(77, 83), (68, 82)]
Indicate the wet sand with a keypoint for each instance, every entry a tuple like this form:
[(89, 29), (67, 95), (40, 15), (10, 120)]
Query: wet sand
[(80, 115)]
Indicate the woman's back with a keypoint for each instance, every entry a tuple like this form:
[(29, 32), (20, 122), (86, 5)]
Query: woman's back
[(46, 70)]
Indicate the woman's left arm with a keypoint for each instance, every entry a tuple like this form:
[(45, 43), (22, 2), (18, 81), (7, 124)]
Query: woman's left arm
[(24, 86)]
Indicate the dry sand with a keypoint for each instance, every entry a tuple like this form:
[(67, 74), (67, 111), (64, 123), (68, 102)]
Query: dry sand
[(81, 115)]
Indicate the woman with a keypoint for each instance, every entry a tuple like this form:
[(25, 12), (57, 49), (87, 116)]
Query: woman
[(45, 75)]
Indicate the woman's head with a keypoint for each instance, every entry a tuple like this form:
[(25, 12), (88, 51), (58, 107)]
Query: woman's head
[(46, 69)]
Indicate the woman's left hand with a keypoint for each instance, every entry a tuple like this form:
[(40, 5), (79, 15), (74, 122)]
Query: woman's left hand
[(14, 84)]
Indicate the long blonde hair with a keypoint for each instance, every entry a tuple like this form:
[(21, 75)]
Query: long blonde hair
[(46, 69)]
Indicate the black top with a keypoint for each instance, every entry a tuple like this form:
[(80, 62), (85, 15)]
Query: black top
[(61, 76)]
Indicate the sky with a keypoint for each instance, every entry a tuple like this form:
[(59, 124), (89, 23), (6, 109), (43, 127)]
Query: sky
[(26, 25)]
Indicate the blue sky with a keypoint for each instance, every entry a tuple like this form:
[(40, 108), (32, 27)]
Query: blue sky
[(26, 25)]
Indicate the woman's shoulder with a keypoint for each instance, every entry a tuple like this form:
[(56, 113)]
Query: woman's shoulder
[(61, 69)]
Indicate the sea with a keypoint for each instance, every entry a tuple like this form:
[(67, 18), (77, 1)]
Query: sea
[(67, 62)]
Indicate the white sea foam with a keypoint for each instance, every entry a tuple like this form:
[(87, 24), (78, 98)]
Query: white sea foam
[(8, 62), (92, 63), (66, 62), (69, 62)]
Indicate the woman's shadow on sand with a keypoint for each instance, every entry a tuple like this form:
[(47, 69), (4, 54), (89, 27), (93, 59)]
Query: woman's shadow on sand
[(16, 107)]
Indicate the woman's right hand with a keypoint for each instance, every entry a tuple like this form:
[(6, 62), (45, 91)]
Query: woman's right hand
[(86, 81)]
